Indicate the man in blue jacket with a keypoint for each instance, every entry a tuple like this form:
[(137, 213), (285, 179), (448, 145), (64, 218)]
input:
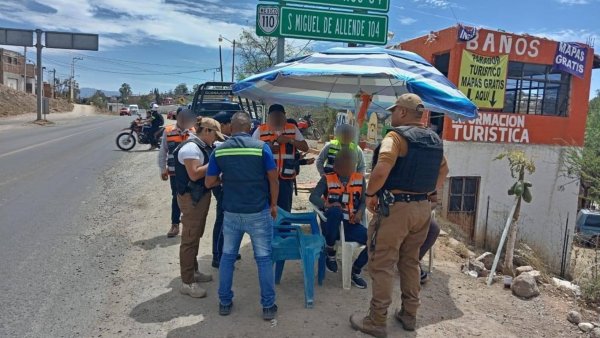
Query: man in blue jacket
[(250, 187)]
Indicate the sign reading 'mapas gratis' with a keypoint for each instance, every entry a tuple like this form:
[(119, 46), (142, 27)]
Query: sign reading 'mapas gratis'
[(483, 79), (570, 58)]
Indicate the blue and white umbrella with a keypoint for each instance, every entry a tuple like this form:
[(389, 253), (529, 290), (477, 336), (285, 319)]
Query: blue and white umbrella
[(336, 77)]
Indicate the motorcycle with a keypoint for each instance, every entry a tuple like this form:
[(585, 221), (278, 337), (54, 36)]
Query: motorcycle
[(306, 125), (128, 137)]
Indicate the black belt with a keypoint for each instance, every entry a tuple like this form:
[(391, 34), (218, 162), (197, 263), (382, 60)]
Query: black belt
[(407, 198)]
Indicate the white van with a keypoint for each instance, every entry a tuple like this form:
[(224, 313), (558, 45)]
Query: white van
[(133, 109)]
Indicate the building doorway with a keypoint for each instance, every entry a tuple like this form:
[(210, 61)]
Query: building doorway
[(462, 203)]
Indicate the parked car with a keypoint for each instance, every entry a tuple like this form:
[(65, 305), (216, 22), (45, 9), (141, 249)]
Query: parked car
[(125, 111), (587, 227), (133, 109)]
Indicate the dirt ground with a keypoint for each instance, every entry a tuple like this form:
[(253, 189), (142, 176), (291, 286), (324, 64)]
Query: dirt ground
[(144, 299), (15, 102)]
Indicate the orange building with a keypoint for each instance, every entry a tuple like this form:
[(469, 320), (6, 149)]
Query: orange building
[(525, 103)]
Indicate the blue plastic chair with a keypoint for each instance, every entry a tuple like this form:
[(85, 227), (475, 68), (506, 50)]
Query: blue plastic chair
[(291, 243)]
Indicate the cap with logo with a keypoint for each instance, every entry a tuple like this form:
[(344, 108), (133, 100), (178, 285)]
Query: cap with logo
[(212, 124), (408, 101), (276, 108)]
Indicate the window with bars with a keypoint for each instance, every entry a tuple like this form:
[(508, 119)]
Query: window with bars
[(536, 89), (463, 194)]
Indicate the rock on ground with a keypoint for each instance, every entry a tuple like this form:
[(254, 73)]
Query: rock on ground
[(523, 269), (535, 274), (595, 333), (525, 286), (574, 317), (476, 266), (586, 327), (487, 258)]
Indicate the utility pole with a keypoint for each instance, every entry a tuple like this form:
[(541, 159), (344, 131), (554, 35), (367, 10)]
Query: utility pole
[(25, 69), (280, 50), (1, 66), (53, 82), (221, 62), (71, 83), (40, 73), (233, 63)]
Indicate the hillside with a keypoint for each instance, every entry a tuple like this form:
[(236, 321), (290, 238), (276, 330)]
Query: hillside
[(14, 102)]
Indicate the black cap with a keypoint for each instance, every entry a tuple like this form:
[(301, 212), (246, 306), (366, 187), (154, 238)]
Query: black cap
[(276, 108), (224, 117)]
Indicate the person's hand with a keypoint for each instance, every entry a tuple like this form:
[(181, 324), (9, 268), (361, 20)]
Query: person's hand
[(274, 148), (164, 175), (274, 211), (433, 198), (373, 204), (283, 139), (310, 160), (356, 218)]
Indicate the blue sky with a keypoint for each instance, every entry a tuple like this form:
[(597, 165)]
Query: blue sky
[(171, 36)]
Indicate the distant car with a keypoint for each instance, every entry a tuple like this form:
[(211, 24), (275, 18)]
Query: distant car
[(172, 115), (125, 112), (133, 109), (587, 227)]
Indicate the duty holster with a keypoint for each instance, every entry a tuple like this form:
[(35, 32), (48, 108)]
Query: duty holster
[(196, 190), (386, 199)]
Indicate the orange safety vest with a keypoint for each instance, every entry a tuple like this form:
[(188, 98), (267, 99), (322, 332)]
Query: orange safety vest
[(348, 196), (286, 160), (175, 137)]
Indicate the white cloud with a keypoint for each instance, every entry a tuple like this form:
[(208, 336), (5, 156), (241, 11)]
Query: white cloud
[(435, 3), (406, 20), (569, 35), (573, 2), (133, 22)]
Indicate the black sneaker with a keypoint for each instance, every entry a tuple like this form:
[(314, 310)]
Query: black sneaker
[(270, 313), (225, 310), (358, 281), (331, 264), (424, 277)]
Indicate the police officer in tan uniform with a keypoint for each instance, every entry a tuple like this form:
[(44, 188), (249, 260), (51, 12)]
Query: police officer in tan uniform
[(409, 166)]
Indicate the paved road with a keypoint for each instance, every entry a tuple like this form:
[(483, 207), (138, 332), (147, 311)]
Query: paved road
[(48, 176)]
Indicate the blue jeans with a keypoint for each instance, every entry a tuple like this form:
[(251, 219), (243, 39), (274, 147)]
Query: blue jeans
[(352, 233), (217, 245), (260, 228), (175, 211)]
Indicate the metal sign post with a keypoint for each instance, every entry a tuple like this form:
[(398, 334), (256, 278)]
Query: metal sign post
[(62, 40)]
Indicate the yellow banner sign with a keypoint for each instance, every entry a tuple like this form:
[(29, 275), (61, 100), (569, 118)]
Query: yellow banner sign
[(483, 79)]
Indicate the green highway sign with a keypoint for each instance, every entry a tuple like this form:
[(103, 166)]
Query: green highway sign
[(367, 5), (318, 24), (327, 25)]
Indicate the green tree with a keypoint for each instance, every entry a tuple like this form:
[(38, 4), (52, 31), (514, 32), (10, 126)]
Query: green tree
[(585, 162), (99, 99), (195, 88), (125, 92), (257, 53), (518, 163), (181, 89)]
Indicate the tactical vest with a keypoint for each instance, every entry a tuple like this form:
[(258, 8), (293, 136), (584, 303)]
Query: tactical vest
[(245, 183), (286, 159), (182, 178), (348, 196), (334, 147), (175, 137), (418, 171)]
